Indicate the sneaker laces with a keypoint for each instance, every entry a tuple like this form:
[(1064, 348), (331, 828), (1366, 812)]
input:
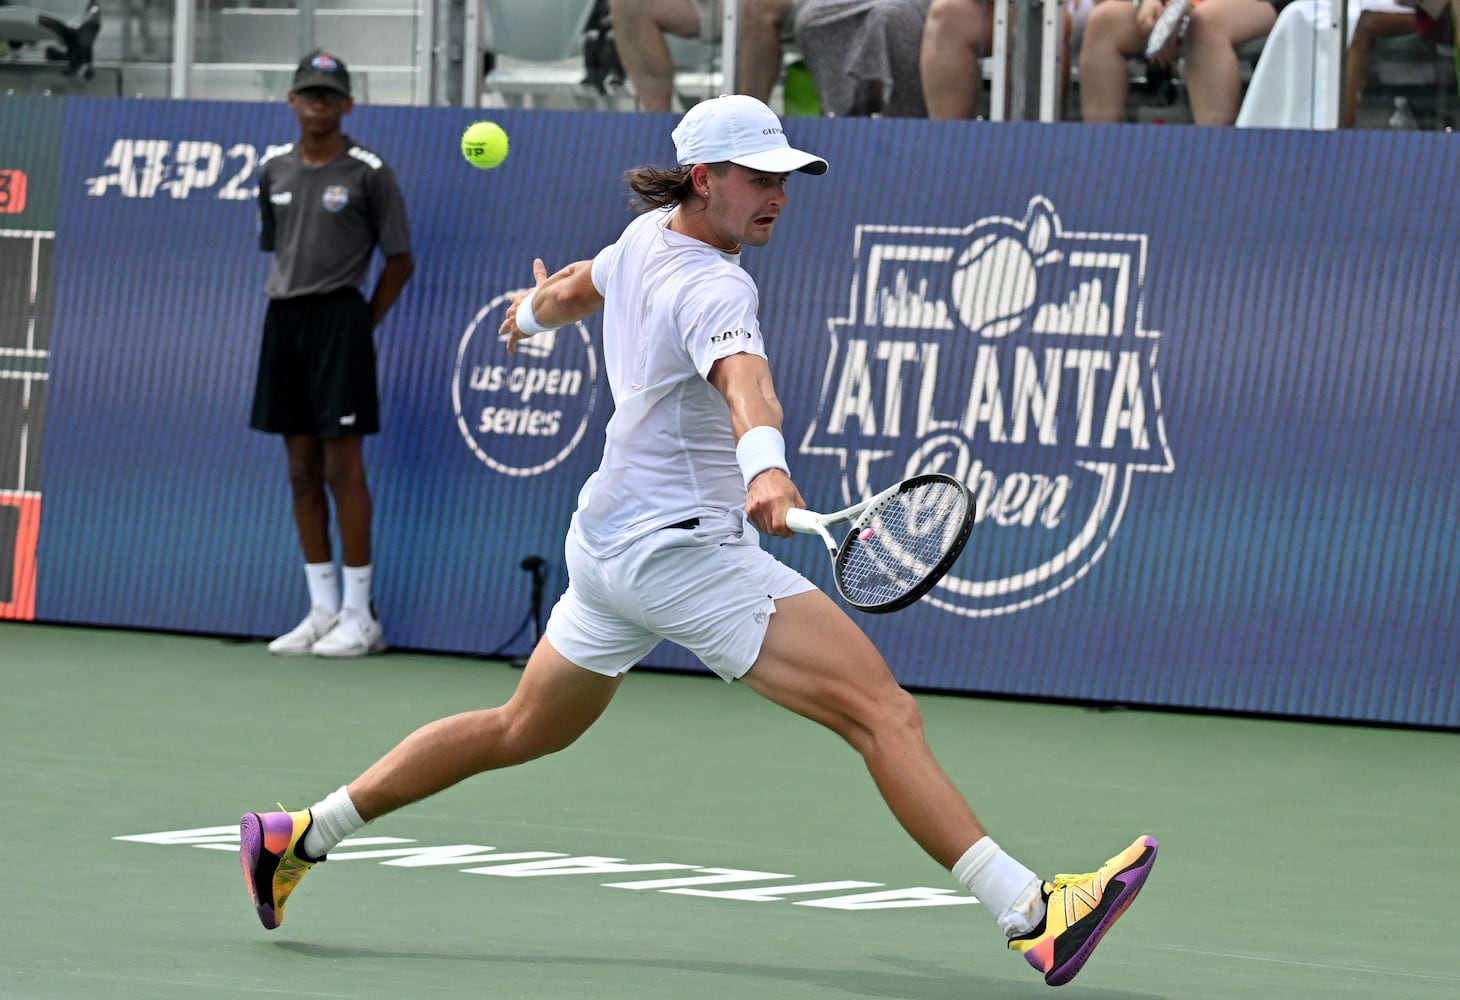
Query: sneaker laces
[(1064, 881)]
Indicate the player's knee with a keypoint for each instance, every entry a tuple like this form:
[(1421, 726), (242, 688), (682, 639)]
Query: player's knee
[(890, 717), (528, 737), (903, 713)]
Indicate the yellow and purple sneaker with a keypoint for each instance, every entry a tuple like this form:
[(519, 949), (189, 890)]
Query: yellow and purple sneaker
[(1081, 908), (273, 864)]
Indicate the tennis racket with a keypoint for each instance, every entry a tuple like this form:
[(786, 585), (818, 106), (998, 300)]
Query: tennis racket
[(901, 541), (1172, 21)]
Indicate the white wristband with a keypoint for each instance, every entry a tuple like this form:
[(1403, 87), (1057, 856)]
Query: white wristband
[(527, 320), (759, 449)]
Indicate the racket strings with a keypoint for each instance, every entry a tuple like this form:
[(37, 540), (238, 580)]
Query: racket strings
[(893, 548)]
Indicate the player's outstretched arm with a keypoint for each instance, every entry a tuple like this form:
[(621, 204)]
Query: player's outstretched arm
[(564, 297)]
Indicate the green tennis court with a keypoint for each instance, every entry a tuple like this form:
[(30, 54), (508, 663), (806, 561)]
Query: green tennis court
[(697, 843)]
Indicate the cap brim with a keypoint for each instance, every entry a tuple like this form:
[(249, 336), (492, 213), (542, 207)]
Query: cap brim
[(306, 80), (783, 161)]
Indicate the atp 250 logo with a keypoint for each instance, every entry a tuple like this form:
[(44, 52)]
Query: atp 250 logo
[(1013, 355)]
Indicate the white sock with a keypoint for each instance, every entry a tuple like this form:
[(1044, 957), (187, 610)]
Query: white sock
[(357, 590), (324, 586), (1003, 886), (335, 818)]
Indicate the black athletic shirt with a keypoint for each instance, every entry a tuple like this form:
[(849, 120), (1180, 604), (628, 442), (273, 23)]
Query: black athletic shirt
[(323, 223)]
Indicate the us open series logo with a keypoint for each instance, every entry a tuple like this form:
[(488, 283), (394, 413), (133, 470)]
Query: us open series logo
[(1014, 356), (522, 414)]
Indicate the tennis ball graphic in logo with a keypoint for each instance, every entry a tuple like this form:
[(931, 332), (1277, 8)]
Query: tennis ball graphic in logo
[(484, 144), (994, 283)]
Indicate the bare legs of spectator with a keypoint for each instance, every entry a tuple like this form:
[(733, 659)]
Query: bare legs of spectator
[(640, 27), (1112, 36), (1213, 77), (956, 36), (762, 25), (1372, 25), (1213, 80)]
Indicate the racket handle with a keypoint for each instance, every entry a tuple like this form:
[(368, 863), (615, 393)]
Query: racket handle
[(803, 521)]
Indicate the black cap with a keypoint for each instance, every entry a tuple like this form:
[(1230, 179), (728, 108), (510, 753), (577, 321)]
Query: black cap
[(320, 69)]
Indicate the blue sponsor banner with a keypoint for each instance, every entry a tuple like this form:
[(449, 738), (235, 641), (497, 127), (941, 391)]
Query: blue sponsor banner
[(1203, 393)]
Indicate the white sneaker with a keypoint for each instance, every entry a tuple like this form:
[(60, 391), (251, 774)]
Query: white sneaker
[(353, 634), (300, 640)]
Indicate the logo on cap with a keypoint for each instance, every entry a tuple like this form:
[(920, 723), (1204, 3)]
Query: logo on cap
[(324, 62)]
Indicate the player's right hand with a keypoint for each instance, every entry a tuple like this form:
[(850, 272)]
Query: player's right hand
[(770, 495)]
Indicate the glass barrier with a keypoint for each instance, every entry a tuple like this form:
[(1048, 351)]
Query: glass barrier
[(1253, 63)]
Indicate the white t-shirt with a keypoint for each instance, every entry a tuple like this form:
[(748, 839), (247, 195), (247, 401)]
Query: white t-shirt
[(673, 306)]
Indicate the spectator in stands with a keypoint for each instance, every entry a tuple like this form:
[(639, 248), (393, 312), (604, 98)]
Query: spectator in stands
[(640, 28), (1376, 24), (863, 55), (1118, 31), (1291, 87), (325, 203), (958, 35)]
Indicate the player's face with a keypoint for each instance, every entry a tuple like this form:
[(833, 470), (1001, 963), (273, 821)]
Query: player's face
[(319, 109), (744, 204)]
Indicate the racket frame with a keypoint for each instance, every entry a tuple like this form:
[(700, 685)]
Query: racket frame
[(808, 522)]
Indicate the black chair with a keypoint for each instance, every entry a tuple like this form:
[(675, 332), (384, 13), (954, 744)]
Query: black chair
[(69, 26)]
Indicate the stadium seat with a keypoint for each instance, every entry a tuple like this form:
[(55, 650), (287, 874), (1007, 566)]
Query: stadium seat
[(68, 26), (537, 49)]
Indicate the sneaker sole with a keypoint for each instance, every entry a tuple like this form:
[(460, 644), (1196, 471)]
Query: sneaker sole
[(1130, 881), (351, 654), (250, 847), (302, 651)]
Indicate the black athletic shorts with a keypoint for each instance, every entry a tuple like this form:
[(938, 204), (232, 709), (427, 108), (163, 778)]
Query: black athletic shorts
[(317, 367)]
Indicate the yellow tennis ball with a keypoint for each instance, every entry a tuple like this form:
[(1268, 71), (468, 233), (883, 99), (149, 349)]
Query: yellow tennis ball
[(484, 144)]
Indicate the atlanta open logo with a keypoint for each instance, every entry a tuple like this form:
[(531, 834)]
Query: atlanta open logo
[(1014, 356), (523, 413)]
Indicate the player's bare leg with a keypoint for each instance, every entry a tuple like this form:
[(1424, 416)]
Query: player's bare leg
[(555, 703), (816, 662)]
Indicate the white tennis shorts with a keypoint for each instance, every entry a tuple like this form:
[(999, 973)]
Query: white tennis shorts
[(710, 589)]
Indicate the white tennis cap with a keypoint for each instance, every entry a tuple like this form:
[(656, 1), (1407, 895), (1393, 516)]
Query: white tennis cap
[(742, 130)]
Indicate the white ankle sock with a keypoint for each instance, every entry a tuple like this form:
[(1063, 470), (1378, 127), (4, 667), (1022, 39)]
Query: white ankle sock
[(324, 586), (1003, 886), (357, 590), (335, 818)]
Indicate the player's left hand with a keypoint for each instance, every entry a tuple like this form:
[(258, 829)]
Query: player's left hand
[(509, 330)]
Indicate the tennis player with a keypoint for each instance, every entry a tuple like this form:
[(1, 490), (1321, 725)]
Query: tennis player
[(664, 545)]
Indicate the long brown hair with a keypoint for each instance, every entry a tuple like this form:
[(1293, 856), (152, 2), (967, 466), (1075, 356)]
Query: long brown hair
[(660, 187)]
